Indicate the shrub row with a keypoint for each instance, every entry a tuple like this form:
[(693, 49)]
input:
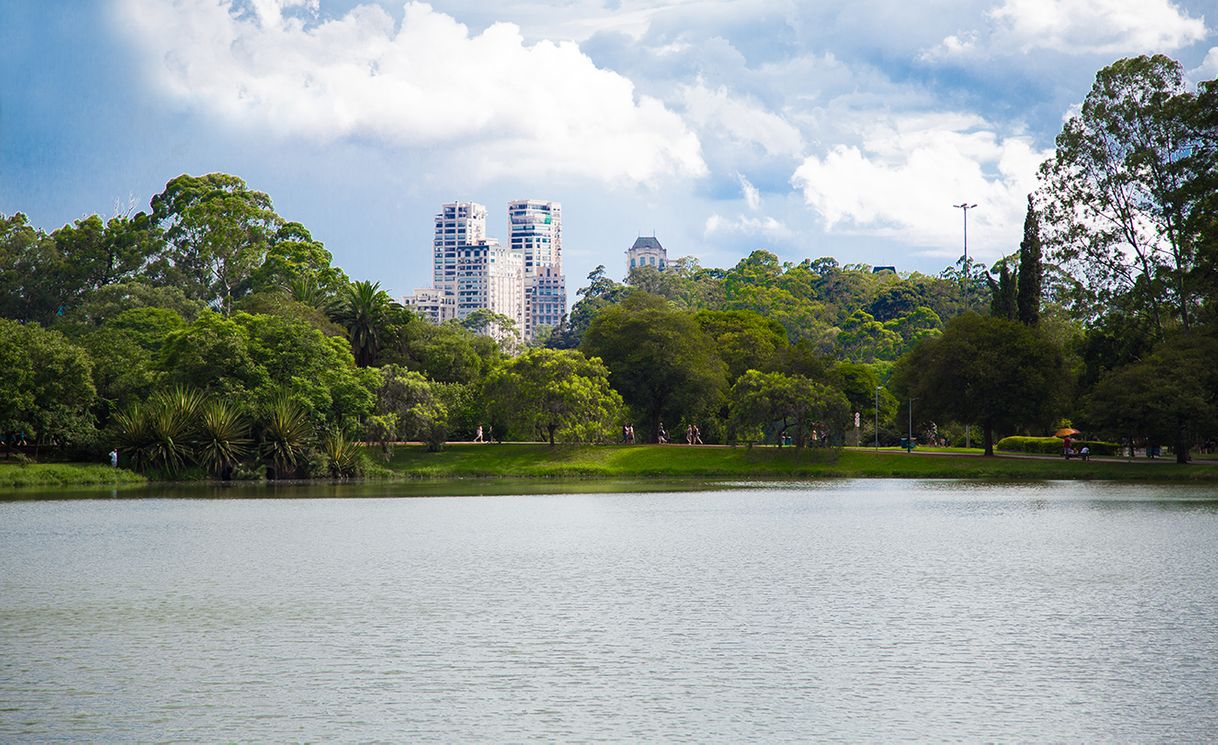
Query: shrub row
[(1053, 445)]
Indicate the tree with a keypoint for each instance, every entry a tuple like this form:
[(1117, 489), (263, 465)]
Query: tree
[(1031, 271), (107, 302), (47, 389), (1004, 301), (779, 402), (600, 293), (1172, 395), (983, 369), (218, 231), (548, 391), (659, 359), (1118, 204), (408, 407), (364, 311), (744, 339), (294, 258)]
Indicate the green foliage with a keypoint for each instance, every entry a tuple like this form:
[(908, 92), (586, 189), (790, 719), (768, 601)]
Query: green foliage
[(408, 407), (987, 370), (1119, 197), (1171, 396), (660, 360), (743, 339), (343, 458), (105, 303), (218, 232), (1031, 269), (286, 436), (223, 438), (46, 389), (554, 394), (1053, 445), (364, 311), (160, 435), (778, 403)]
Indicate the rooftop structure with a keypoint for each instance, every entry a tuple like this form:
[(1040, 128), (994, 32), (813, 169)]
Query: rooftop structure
[(646, 251)]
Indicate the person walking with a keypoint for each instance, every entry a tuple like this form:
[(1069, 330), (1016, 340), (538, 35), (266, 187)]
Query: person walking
[(478, 434), (114, 458), (689, 434), (697, 436), (662, 435)]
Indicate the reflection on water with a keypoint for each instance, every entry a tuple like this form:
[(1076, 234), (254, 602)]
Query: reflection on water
[(857, 610)]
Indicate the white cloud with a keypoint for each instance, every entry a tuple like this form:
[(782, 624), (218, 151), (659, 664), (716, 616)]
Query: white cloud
[(752, 195), (1098, 26), (909, 172), (1208, 69), (741, 120), (501, 105), (766, 227), (951, 46)]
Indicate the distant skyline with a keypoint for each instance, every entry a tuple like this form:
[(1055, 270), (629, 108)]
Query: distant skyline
[(836, 129)]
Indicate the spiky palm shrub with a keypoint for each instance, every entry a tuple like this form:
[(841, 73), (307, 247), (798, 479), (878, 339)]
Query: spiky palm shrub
[(342, 455), (172, 416), (132, 432), (287, 435), (222, 438)]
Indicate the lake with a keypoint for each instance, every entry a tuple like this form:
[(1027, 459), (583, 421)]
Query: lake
[(840, 611)]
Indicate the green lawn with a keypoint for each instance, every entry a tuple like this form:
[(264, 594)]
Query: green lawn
[(63, 474), (677, 461)]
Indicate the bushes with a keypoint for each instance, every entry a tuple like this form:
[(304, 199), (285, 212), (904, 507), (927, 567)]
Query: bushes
[(1053, 446)]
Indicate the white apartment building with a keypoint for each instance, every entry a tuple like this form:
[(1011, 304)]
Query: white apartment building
[(457, 224), (545, 301), (535, 231), (490, 276), (522, 280), (434, 305), (646, 251)]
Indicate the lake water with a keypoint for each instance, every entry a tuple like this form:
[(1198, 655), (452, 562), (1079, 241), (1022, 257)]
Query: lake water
[(839, 611)]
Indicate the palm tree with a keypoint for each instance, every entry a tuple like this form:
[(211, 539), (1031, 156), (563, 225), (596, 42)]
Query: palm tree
[(287, 434), (223, 437), (307, 290), (365, 312)]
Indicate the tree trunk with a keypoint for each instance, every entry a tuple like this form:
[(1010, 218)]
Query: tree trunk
[(989, 437), (552, 428), (1182, 444)]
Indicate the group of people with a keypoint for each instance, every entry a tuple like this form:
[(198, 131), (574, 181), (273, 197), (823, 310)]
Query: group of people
[(1068, 450), (693, 435), (490, 434)]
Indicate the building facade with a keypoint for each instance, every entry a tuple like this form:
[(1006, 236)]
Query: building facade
[(535, 231), (433, 305), (646, 251), (457, 224), (522, 280), (490, 276)]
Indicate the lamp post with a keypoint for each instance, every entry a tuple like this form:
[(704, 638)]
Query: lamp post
[(877, 418), (966, 207), (910, 440)]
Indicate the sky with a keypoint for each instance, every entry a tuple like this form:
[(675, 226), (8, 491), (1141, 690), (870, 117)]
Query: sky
[(845, 129)]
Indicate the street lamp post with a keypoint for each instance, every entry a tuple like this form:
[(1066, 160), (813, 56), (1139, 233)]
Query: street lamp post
[(910, 441), (967, 276), (877, 418)]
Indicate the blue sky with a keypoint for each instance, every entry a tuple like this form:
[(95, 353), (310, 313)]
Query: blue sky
[(811, 129)]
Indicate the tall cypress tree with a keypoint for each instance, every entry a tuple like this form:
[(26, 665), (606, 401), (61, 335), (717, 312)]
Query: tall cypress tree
[(1003, 299), (1031, 273)]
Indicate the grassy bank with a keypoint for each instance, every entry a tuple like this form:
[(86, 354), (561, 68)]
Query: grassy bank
[(676, 462), (64, 474)]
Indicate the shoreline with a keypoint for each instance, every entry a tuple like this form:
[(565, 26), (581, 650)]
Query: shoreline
[(524, 462)]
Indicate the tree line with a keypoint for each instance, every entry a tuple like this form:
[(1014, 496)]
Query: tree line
[(210, 333)]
